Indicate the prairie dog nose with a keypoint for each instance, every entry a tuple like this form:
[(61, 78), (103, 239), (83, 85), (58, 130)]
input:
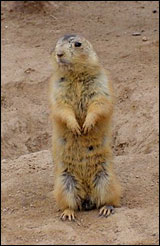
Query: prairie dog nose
[(60, 54)]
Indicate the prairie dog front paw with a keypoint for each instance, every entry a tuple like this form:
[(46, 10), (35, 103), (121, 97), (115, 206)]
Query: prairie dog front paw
[(73, 125), (88, 124)]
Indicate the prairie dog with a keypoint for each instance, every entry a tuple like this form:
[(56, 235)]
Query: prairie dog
[(81, 102)]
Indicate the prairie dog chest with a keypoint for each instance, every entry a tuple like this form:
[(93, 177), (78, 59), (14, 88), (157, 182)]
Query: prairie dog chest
[(77, 92)]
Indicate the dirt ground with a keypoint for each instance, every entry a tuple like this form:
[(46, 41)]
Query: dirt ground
[(125, 35)]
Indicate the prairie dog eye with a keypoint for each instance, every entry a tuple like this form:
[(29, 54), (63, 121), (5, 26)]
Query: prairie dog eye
[(77, 44)]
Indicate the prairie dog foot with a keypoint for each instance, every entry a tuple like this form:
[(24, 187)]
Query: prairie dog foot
[(68, 214), (106, 211)]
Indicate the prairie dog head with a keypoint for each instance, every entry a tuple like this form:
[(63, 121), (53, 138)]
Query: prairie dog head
[(74, 50)]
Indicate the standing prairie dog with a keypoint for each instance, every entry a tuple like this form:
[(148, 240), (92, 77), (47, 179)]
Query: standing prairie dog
[(81, 101)]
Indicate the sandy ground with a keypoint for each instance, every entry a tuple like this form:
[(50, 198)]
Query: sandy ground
[(29, 33)]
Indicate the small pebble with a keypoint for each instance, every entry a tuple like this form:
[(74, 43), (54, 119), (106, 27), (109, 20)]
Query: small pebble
[(117, 230), (136, 34), (12, 210), (144, 39), (44, 168)]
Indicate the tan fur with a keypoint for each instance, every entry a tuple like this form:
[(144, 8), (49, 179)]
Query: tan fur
[(81, 100)]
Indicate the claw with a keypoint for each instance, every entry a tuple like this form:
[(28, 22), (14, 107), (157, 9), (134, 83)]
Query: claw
[(78, 131), (86, 128), (106, 211), (68, 214)]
